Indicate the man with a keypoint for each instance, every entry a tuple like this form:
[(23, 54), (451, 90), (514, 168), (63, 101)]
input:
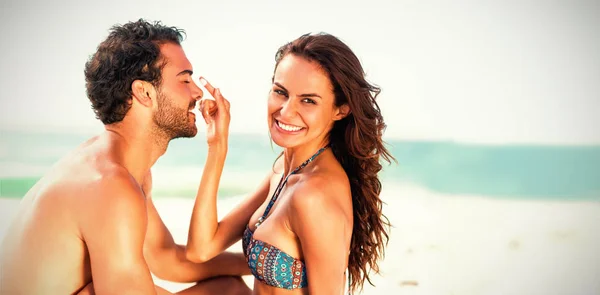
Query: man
[(89, 225)]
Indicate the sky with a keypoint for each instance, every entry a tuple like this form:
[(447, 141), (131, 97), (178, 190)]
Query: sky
[(497, 72)]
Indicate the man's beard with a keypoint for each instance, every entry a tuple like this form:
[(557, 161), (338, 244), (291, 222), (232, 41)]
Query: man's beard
[(171, 120)]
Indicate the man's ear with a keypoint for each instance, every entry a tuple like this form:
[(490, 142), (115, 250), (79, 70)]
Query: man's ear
[(143, 92), (342, 112)]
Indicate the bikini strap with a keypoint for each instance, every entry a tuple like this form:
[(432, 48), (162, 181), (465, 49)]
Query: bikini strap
[(282, 183)]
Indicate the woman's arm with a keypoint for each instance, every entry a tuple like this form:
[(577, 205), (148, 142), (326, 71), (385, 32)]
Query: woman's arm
[(167, 260), (202, 247), (320, 223), (207, 237)]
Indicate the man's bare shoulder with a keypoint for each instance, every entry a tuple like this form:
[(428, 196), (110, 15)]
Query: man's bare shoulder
[(114, 198), (88, 165), (114, 185)]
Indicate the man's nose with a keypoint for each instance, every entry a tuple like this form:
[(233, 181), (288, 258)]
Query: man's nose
[(197, 92)]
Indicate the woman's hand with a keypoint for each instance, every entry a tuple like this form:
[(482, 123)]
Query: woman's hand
[(216, 115)]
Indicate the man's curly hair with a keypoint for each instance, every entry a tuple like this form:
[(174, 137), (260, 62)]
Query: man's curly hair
[(130, 52)]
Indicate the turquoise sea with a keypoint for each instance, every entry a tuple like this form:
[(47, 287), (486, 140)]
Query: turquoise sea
[(504, 171)]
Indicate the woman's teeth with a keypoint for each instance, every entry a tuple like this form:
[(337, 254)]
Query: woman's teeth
[(288, 127)]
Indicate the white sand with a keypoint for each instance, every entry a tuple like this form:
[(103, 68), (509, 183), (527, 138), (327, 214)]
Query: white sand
[(443, 244)]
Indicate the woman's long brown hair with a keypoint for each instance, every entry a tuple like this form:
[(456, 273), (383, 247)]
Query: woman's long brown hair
[(356, 142)]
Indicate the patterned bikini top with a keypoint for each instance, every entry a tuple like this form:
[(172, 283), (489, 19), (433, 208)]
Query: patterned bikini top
[(268, 263)]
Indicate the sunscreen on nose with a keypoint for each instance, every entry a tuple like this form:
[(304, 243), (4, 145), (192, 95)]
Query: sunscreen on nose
[(203, 82)]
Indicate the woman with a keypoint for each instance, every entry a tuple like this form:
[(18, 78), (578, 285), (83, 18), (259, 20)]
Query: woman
[(315, 224)]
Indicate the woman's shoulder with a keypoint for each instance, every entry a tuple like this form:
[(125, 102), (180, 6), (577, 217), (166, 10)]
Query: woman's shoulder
[(324, 181), (320, 202), (320, 189)]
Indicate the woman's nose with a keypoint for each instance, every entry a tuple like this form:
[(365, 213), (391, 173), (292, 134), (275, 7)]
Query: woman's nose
[(288, 109)]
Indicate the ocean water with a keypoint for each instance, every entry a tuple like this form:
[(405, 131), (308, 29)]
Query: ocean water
[(499, 171)]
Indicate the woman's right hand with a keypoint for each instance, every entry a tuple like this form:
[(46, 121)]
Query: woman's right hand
[(216, 115)]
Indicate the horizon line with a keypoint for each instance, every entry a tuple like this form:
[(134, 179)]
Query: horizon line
[(90, 131)]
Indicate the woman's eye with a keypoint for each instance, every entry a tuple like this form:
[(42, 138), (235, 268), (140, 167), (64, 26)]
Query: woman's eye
[(280, 92), (308, 100)]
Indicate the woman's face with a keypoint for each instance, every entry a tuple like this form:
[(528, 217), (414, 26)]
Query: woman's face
[(301, 105)]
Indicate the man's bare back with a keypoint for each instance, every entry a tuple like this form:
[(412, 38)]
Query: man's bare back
[(44, 251)]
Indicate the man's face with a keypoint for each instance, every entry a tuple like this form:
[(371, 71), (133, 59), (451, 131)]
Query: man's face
[(177, 94)]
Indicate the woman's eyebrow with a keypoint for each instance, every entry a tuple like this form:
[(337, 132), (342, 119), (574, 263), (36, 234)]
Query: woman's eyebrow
[(300, 95)]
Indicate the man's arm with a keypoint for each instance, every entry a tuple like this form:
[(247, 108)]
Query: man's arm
[(114, 233), (167, 260)]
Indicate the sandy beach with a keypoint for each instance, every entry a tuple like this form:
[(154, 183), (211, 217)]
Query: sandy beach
[(462, 245)]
